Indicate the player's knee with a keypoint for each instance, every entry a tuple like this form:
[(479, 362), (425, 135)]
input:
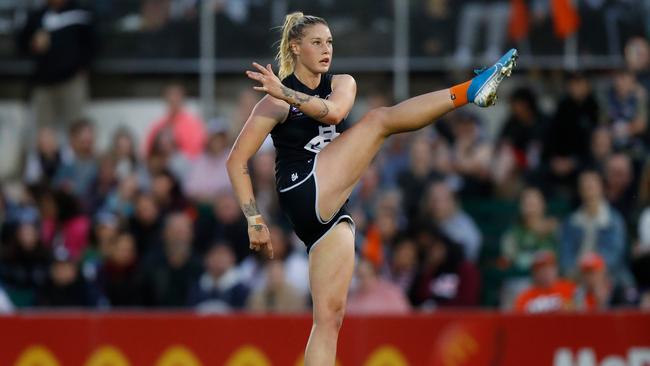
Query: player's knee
[(331, 315), (378, 117)]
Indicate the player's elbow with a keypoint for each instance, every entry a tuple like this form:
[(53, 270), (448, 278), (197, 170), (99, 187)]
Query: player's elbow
[(234, 160), (333, 118)]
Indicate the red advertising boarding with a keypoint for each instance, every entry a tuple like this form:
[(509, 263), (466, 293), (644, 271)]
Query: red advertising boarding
[(441, 339)]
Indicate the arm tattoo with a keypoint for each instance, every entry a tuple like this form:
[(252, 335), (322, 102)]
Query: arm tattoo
[(250, 209), (324, 111), (245, 169), (295, 98), (258, 227)]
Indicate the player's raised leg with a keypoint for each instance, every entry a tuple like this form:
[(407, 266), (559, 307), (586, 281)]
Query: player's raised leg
[(353, 151)]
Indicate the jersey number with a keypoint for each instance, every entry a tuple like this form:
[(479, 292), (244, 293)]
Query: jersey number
[(325, 136)]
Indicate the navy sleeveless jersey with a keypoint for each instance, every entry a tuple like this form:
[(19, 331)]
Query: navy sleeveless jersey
[(299, 138)]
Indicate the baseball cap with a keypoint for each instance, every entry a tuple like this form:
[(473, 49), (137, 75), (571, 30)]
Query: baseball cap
[(592, 262), (543, 258)]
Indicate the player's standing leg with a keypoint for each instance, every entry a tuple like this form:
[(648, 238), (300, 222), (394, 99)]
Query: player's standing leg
[(331, 264)]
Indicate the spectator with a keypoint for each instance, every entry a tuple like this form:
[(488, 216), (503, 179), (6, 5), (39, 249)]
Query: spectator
[(601, 148), (231, 224), (524, 129), (441, 206), (619, 185), (252, 270), (433, 23), (594, 227), (63, 223), (59, 38), (42, 164), (220, 287), (444, 278), (420, 173), (118, 275), (171, 268), (493, 14), (381, 232), (246, 101), (66, 287), (165, 155), (208, 174), (403, 264), (122, 198), (548, 293), (641, 251), (374, 295), (105, 231), (146, 224), (366, 193), (186, 130), (6, 306), (567, 141), (520, 141), (533, 232), (105, 182), (471, 155), (277, 296), (3, 212), (24, 263), (637, 59), (167, 192), (296, 262), (595, 290), (79, 169), (627, 111), (644, 303), (124, 152)]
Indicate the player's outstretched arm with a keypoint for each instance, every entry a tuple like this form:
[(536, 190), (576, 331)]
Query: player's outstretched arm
[(330, 111)]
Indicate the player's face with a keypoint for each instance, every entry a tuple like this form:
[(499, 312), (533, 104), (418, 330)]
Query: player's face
[(314, 51)]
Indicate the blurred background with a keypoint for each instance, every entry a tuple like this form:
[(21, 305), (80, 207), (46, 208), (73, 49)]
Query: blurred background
[(116, 118)]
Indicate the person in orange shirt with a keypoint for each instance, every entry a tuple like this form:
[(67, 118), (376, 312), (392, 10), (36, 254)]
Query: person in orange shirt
[(188, 130), (548, 293)]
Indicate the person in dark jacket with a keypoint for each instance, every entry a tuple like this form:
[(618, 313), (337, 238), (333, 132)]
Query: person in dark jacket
[(445, 278), (220, 287), (59, 39), (568, 139), (66, 286), (25, 261), (118, 275)]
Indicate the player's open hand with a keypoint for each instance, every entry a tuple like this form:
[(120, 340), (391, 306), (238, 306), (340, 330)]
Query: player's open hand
[(271, 84), (260, 238)]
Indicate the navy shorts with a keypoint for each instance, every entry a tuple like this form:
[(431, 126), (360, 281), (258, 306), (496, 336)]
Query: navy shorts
[(298, 193)]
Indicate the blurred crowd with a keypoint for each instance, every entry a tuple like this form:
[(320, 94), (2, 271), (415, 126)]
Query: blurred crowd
[(554, 213), (550, 214), (467, 30)]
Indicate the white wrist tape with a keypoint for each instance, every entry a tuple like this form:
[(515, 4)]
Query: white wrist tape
[(255, 220)]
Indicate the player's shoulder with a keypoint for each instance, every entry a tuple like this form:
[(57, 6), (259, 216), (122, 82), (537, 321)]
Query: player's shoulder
[(343, 78)]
